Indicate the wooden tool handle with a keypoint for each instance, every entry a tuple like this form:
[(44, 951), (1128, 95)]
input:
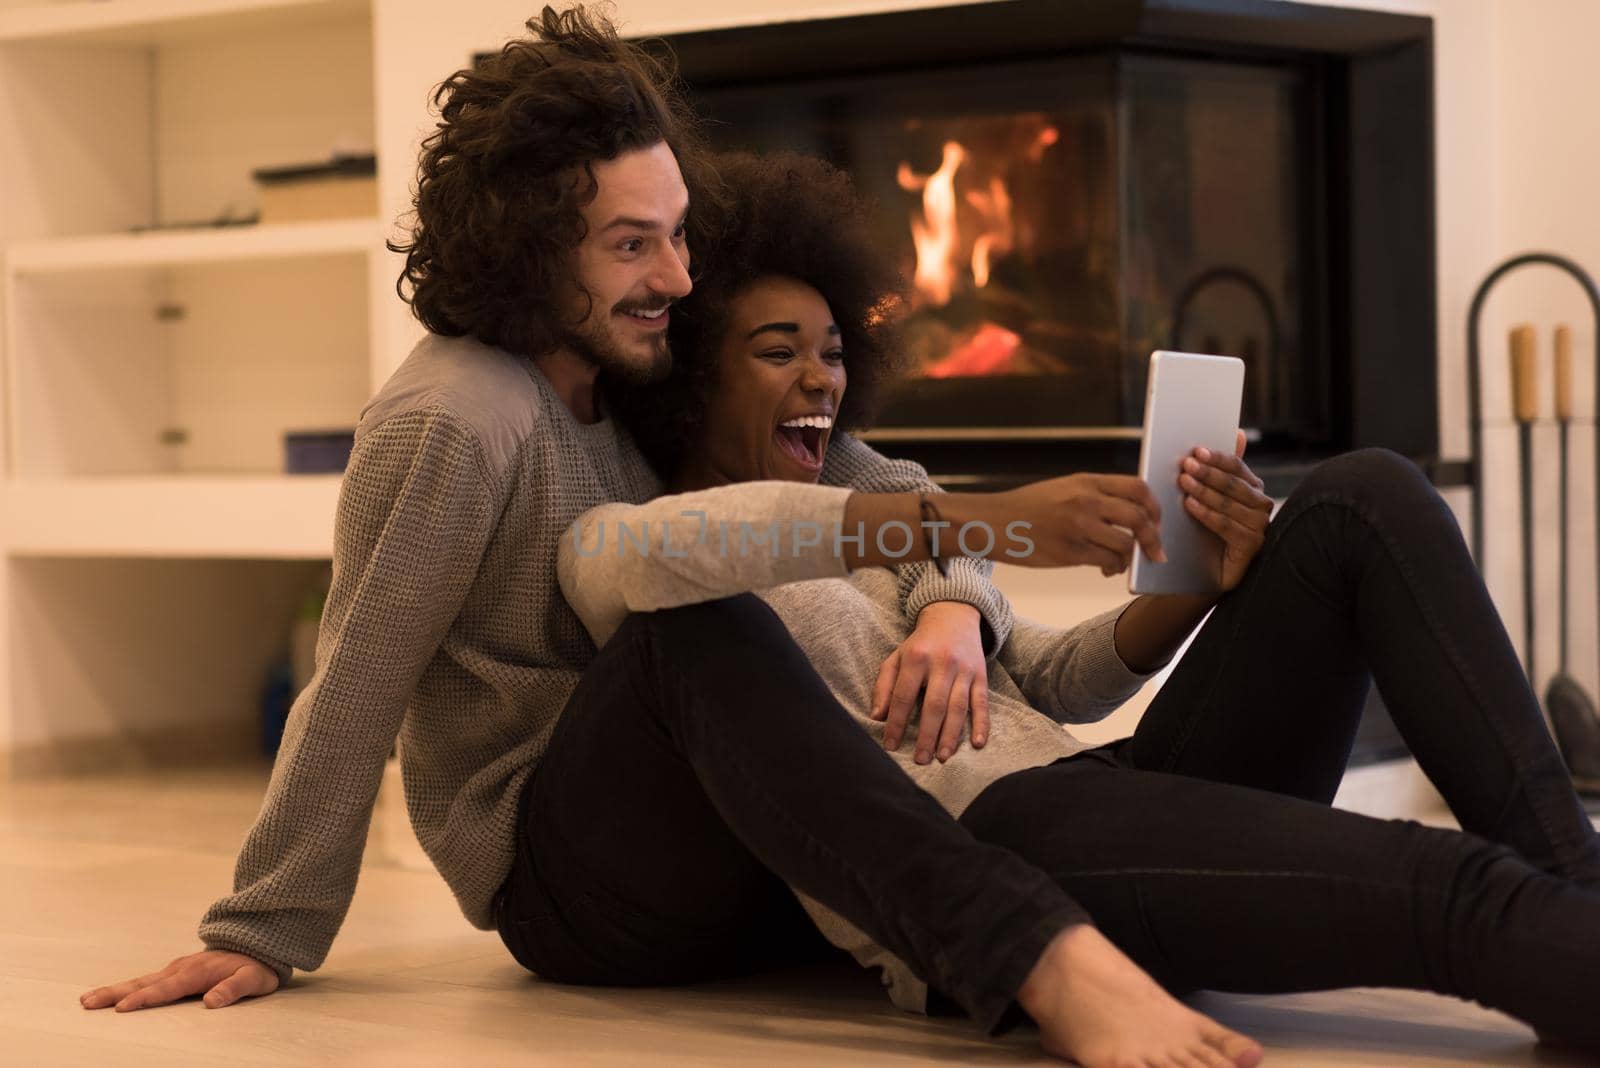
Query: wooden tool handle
[(1563, 372), (1524, 373)]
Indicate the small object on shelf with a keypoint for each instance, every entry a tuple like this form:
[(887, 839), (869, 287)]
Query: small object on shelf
[(317, 452), (343, 187), (227, 218)]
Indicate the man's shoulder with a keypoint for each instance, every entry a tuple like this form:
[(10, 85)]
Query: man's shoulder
[(489, 392)]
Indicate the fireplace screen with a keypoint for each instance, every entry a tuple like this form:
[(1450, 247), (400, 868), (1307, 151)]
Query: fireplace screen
[(1060, 219)]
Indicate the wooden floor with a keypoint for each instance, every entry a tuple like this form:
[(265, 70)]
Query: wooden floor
[(105, 878)]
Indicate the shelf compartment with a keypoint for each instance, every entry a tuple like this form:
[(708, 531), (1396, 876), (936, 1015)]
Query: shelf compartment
[(168, 653), (286, 517), (197, 367), (100, 139)]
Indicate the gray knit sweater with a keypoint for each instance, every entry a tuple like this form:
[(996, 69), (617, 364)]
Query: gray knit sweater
[(445, 627), (847, 624)]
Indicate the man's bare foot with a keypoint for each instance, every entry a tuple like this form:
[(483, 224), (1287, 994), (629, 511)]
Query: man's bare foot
[(1095, 1006)]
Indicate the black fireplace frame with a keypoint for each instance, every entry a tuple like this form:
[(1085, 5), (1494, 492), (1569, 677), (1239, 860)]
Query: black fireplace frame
[(1374, 165)]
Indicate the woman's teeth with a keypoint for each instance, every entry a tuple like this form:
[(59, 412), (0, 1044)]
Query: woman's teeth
[(820, 422)]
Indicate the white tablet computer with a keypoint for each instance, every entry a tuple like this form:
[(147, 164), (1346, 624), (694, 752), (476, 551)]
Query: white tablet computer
[(1192, 400)]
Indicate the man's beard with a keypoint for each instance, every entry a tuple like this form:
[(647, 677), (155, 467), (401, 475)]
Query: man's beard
[(598, 345)]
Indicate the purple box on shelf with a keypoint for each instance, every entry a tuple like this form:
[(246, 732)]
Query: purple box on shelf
[(317, 452)]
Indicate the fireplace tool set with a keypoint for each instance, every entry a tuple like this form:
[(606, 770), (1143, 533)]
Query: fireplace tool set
[(1573, 718)]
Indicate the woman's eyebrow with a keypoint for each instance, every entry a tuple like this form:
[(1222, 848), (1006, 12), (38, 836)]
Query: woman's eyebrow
[(786, 328)]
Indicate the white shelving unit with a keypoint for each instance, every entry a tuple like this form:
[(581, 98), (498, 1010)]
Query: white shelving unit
[(149, 377), (183, 516), (150, 251), (156, 22)]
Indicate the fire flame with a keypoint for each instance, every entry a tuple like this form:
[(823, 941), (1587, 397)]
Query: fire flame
[(1042, 140), (935, 236), (942, 252), (965, 224), (995, 207)]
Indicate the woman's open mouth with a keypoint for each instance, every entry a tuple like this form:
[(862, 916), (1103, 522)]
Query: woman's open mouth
[(805, 439)]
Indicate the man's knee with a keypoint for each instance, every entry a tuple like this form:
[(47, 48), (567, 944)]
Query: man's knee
[(741, 619), (739, 638)]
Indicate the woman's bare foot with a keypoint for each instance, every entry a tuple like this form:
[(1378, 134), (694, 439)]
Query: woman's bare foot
[(1095, 1006)]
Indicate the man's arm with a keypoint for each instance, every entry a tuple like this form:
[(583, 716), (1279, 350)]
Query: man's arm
[(416, 511), (685, 548), (858, 466)]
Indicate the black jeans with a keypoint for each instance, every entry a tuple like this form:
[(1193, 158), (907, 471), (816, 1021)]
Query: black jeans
[(700, 764), (1202, 845)]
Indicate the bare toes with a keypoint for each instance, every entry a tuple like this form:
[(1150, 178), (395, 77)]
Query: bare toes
[(1232, 1049), (1240, 1051)]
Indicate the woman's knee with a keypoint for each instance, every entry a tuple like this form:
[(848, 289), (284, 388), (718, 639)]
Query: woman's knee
[(1362, 469), (1376, 478)]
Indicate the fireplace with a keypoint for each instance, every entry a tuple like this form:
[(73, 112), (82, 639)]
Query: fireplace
[(1072, 185)]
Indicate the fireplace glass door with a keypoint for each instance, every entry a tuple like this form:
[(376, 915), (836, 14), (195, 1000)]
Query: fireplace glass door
[(1060, 219)]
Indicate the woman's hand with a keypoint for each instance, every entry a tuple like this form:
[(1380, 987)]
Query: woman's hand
[(222, 975), (1229, 500), (944, 656)]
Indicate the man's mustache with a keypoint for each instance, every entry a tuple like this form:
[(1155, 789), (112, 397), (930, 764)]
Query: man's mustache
[(653, 304)]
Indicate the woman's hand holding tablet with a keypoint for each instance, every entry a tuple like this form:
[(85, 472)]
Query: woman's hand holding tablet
[(1213, 507)]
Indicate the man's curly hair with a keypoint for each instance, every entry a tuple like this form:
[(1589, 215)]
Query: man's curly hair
[(787, 215), (504, 175)]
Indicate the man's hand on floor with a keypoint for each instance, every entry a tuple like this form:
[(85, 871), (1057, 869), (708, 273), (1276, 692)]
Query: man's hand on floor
[(221, 975)]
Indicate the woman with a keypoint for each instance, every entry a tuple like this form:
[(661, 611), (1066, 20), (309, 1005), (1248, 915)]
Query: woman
[(1203, 846)]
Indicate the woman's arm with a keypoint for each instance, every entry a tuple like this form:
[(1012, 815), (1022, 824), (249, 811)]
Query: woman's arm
[(1154, 627), (967, 581), (1072, 675)]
